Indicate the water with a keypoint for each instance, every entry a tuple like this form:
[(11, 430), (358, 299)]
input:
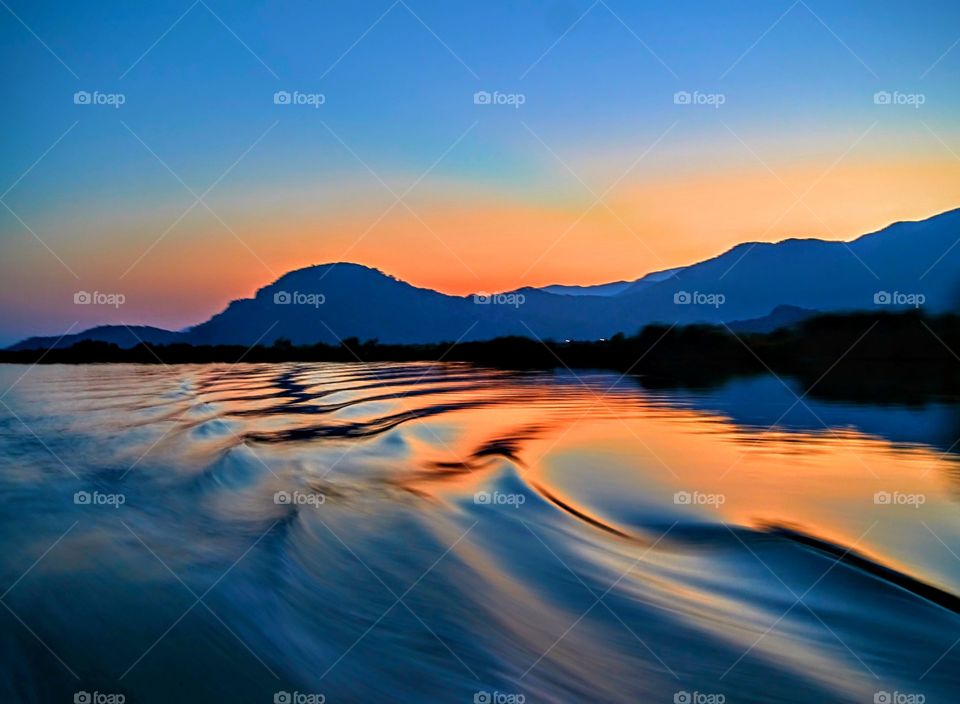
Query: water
[(417, 533)]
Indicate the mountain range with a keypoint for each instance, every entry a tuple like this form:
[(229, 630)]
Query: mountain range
[(753, 286)]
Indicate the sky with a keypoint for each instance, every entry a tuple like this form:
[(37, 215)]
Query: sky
[(184, 155)]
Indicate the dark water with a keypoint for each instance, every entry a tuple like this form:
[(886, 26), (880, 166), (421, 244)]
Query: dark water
[(408, 533)]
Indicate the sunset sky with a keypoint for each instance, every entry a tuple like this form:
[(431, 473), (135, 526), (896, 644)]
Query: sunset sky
[(599, 175)]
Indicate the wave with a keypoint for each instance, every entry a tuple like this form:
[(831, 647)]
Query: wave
[(432, 531)]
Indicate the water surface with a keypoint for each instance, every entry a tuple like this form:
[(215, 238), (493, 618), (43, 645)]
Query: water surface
[(445, 533)]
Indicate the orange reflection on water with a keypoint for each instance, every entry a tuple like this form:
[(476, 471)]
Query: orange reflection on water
[(617, 459)]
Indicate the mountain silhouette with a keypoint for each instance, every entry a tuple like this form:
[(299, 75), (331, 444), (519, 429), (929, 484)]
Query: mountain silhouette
[(902, 263), (614, 288), (120, 335), (782, 316), (905, 265)]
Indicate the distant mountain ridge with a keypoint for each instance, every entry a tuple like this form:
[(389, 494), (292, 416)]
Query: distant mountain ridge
[(783, 316), (904, 265), (121, 335), (614, 288)]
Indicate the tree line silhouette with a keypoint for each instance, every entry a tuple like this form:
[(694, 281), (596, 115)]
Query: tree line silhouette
[(897, 356)]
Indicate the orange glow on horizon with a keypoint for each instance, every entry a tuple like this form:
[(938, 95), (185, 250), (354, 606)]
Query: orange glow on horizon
[(497, 246), (469, 242)]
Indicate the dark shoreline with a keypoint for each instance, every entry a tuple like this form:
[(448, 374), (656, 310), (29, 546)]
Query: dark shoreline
[(906, 357)]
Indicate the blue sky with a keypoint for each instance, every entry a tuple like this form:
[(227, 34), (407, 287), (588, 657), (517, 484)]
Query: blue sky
[(398, 79)]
